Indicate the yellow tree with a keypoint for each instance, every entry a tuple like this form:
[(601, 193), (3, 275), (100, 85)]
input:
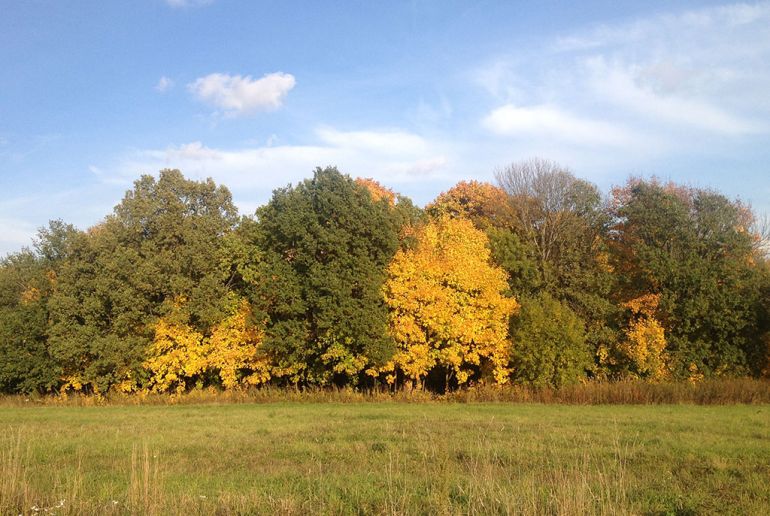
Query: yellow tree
[(447, 306), (234, 349), (483, 203), (645, 344), (177, 354)]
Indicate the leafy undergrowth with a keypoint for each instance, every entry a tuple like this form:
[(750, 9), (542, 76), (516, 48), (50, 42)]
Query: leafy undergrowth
[(707, 392)]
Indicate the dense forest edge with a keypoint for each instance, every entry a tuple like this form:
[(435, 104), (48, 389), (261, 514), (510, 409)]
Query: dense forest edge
[(536, 288)]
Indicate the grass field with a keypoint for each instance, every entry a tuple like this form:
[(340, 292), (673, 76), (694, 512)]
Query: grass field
[(395, 458)]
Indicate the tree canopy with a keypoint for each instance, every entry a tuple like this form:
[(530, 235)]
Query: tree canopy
[(539, 280)]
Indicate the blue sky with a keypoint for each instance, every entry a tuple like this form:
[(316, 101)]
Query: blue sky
[(415, 94)]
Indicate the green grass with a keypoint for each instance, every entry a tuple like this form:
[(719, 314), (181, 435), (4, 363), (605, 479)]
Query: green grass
[(424, 458)]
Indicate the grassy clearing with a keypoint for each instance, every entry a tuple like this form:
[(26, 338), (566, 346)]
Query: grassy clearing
[(429, 458)]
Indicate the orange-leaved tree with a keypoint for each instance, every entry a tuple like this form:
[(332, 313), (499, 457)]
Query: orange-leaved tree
[(377, 191), (447, 305)]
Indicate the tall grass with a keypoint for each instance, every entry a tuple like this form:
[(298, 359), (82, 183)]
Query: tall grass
[(476, 480), (707, 392), (14, 489), (389, 458), (144, 486), (17, 495)]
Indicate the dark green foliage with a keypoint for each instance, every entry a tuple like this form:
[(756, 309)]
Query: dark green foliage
[(28, 280), (549, 344), (25, 364), (406, 215), (155, 254), (760, 358), (693, 248), (518, 259), (81, 306), (176, 227), (326, 245)]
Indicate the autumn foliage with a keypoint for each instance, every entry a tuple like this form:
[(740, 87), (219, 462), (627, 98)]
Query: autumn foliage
[(537, 281), (176, 357), (645, 344), (482, 203), (447, 305), (235, 348)]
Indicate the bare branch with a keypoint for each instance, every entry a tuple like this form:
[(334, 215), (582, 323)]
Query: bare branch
[(547, 201)]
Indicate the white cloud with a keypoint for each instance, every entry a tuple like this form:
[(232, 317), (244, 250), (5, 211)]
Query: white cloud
[(164, 84), (374, 141), (625, 88), (194, 151), (547, 121), (661, 85), (236, 95), (252, 172), (703, 25), (709, 65), (420, 168)]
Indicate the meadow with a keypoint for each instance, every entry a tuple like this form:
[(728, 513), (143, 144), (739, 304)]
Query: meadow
[(384, 458)]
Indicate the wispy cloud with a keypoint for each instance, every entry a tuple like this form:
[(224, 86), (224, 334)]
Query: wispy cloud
[(387, 142), (392, 156), (236, 95), (553, 123), (625, 87), (684, 76), (718, 23), (164, 84), (14, 234)]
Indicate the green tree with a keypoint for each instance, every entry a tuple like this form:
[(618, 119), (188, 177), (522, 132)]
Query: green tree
[(556, 242), (159, 246), (326, 244), (25, 364), (693, 247), (761, 356), (28, 279), (549, 344)]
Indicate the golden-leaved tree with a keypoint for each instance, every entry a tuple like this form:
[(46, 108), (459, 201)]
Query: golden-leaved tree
[(235, 349), (645, 345), (447, 305), (178, 354), (377, 191)]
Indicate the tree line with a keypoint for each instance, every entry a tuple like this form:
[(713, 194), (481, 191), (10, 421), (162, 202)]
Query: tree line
[(538, 280)]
